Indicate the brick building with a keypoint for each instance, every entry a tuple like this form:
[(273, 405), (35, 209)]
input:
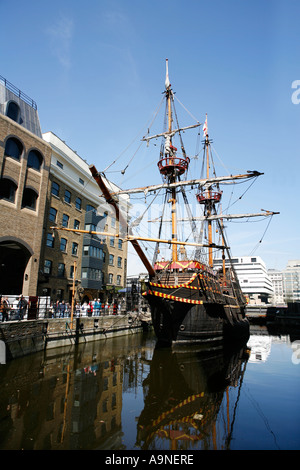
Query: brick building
[(24, 171), (45, 184)]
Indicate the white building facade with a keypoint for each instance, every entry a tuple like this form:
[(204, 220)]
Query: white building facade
[(75, 202), (277, 281), (291, 281)]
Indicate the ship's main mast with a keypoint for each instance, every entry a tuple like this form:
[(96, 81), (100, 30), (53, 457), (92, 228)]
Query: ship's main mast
[(171, 166), (172, 176)]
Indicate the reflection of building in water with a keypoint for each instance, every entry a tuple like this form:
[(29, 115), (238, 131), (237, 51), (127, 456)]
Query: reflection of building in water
[(68, 403), (260, 346), (97, 403)]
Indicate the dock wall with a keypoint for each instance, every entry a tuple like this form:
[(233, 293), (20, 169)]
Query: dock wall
[(29, 336)]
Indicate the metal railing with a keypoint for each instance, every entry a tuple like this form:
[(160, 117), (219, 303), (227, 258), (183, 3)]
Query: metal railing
[(18, 92)]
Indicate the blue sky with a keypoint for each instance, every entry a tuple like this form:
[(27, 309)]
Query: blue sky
[(96, 70)]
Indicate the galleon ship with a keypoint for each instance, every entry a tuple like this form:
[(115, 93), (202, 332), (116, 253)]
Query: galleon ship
[(191, 301)]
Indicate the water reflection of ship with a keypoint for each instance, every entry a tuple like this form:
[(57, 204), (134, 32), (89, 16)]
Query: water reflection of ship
[(187, 399)]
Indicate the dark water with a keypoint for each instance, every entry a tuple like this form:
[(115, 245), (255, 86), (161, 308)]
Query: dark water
[(126, 394)]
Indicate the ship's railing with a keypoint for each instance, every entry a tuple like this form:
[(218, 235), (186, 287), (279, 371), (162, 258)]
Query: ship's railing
[(18, 92)]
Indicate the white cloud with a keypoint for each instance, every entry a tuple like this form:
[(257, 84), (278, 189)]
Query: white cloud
[(60, 35)]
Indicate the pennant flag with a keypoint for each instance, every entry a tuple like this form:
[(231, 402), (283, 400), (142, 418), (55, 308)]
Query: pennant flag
[(205, 128)]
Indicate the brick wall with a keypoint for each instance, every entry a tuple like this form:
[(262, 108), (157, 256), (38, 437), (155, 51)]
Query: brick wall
[(20, 225)]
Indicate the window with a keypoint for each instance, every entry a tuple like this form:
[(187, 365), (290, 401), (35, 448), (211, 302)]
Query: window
[(8, 189), (78, 203), (94, 251), (60, 294), (63, 244), (113, 222), (52, 214), (13, 111), (55, 189), (29, 198), (50, 240), (72, 271), (65, 220), (119, 262), (81, 181), (47, 266), (95, 274), (110, 278), (13, 148), (120, 244), (91, 273), (84, 273), (61, 270), (67, 196), (59, 164), (90, 208), (34, 160), (112, 241), (76, 224), (74, 248), (111, 260), (118, 280), (113, 399), (90, 227)]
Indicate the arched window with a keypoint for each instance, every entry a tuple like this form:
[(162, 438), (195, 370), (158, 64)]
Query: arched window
[(13, 111), (13, 148), (29, 198), (8, 189), (35, 160)]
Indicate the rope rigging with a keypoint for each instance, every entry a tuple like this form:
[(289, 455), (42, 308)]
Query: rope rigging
[(260, 241)]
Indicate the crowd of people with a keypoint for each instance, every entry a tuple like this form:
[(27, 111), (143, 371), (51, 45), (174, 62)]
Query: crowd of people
[(61, 309), (17, 309)]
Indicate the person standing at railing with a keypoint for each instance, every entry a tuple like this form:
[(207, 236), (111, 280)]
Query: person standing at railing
[(4, 308), (62, 309), (22, 306), (97, 307)]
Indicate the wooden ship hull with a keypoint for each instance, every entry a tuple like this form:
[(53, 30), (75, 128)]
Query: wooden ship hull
[(197, 307)]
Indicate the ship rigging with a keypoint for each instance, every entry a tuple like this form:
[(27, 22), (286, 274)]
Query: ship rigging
[(190, 301)]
